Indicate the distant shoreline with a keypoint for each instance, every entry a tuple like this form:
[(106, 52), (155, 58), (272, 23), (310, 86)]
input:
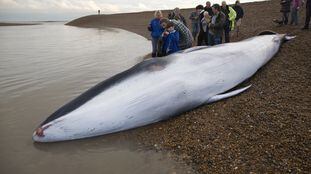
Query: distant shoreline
[(137, 22), (16, 24)]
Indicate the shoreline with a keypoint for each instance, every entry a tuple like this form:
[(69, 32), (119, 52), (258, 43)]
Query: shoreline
[(264, 130), (2, 24)]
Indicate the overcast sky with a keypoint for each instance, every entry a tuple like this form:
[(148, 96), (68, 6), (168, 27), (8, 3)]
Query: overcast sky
[(34, 10)]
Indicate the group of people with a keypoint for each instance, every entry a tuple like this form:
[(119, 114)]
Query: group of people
[(208, 23), (211, 22), (168, 35), (292, 7)]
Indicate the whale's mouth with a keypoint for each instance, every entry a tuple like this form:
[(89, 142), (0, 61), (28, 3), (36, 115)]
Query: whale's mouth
[(40, 130)]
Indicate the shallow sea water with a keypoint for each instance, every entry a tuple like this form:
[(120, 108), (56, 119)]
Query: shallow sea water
[(43, 67)]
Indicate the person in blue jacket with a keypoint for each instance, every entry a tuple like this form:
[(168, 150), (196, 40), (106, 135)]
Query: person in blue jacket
[(156, 31), (170, 39)]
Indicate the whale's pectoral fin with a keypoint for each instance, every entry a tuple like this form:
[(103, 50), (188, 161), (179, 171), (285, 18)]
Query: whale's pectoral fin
[(226, 95)]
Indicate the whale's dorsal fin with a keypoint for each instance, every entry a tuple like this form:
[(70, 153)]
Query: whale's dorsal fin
[(266, 32), (226, 95)]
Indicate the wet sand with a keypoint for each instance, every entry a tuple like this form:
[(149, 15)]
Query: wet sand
[(264, 130)]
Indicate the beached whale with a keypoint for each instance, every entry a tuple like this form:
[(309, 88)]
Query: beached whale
[(157, 89)]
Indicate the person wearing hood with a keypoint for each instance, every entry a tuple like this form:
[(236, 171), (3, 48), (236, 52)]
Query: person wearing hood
[(170, 39), (185, 36)]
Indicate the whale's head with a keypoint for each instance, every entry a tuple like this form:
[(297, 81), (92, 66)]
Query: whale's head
[(79, 118), (52, 131)]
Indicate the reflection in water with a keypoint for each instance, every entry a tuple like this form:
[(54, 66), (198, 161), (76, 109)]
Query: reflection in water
[(43, 67)]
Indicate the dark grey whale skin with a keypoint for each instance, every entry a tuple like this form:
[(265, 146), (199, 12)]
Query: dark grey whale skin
[(141, 67)]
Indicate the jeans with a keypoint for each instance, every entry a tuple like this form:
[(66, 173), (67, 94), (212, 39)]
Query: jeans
[(154, 42), (201, 38), (294, 16), (195, 30), (227, 31), (285, 17), (207, 39), (307, 18), (217, 40), (214, 40)]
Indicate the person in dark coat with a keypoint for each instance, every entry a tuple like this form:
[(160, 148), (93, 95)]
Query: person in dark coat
[(308, 14), (201, 36), (216, 26), (239, 10), (285, 9), (205, 23), (208, 8), (239, 15), (225, 10)]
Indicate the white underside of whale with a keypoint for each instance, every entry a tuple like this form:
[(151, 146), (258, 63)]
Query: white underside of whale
[(192, 78)]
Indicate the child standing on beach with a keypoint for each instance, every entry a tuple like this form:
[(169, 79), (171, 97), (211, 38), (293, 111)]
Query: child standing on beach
[(170, 39), (156, 31)]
